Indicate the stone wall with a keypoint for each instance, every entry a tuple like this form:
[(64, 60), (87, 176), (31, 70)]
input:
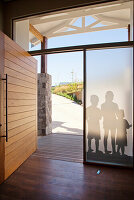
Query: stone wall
[(44, 104)]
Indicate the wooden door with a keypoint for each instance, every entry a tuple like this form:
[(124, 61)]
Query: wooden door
[(21, 70)]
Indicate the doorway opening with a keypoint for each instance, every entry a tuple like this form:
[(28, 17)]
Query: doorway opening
[(65, 80)]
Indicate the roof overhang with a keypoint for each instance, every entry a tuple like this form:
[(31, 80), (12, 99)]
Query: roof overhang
[(106, 17)]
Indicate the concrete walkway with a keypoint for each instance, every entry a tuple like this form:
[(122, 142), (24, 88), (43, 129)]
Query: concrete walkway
[(67, 116)]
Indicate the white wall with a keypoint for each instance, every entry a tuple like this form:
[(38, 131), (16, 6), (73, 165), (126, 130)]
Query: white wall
[(21, 34)]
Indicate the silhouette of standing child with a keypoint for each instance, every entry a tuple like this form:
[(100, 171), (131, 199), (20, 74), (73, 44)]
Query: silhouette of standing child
[(93, 117), (109, 111), (122, 126)]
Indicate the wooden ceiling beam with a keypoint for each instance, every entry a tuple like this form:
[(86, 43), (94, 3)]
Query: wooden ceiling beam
[(35, 32), (89, 29)]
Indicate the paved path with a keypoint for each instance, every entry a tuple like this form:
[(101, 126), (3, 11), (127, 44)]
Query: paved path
[(67, 116)]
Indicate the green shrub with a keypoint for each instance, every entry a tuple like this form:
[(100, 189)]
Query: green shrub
[(52, 89), (69, 97), (68, 90)]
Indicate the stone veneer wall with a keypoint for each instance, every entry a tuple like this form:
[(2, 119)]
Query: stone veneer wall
[(44, 104)]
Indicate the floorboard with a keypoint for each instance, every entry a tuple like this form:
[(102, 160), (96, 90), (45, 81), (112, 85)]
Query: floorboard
[(45, 179), (40, 178), (65, 147)]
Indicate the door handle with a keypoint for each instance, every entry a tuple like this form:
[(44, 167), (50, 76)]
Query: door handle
[(6, 136)]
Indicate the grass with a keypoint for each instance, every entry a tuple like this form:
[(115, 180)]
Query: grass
[(68, 90)]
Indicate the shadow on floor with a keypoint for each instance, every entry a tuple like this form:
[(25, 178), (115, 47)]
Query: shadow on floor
[(73, 131)]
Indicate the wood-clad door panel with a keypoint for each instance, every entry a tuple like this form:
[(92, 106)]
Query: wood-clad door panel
[(22, 131), (21, 70)]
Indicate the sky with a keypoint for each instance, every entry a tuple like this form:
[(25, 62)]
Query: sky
[(62, 66)]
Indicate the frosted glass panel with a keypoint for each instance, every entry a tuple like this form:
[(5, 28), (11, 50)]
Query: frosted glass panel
[(109, 137)]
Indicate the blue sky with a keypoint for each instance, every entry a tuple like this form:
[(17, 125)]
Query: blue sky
[(60, 66)]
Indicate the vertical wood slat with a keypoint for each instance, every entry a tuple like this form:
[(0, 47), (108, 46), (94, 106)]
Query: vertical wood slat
[(21, 143)]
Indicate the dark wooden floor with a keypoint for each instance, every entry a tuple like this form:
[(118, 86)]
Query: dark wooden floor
[(39, 178), (61, 147), (45, 179)]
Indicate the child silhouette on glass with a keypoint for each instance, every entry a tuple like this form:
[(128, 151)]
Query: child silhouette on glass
[(93, 117), (122, 126), (109, 111)]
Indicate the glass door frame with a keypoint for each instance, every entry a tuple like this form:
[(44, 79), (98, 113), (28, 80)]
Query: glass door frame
[(114, 46)]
